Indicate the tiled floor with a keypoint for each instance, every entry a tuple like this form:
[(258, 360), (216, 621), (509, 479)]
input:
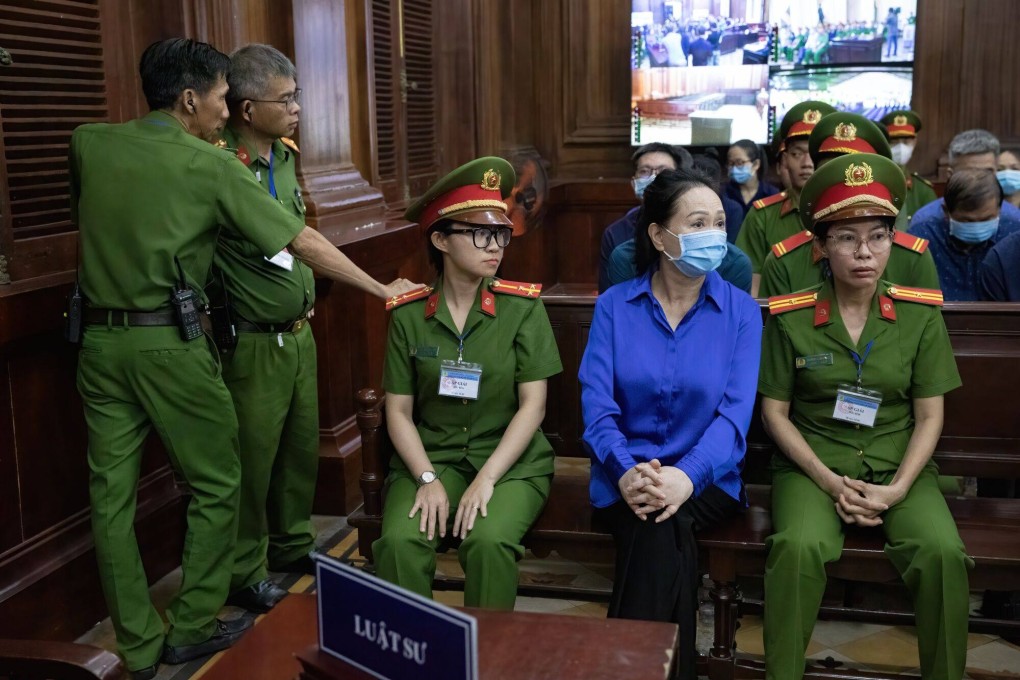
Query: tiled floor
[(860, 645)]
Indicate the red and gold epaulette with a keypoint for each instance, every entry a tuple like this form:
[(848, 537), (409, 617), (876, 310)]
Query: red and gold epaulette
[(243, 155), (910, 242), (770, 200), (926, 296), (410, 296), (528, 290), (289, 143), (792, 243), (787, 303)]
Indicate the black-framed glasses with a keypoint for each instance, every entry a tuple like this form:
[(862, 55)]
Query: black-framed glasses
[(482, 236), (849, 244), (286, 101)]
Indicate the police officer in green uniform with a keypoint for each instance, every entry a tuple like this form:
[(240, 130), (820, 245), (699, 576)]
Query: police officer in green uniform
[(902, 127), (775, 218), (271, 373), (147, 195), (797, 263), (465, 377), (853, 376)]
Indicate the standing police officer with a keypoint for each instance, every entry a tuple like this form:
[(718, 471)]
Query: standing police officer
[(271, 373), (149, 197)]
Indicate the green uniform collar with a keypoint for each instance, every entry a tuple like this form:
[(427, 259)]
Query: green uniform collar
[(248, 155), (436, 307), (163, 118), (827, 316)]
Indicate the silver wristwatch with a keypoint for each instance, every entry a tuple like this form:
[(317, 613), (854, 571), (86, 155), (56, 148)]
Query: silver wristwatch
[(427, 477)]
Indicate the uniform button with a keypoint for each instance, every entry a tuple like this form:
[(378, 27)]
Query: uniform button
[(857, 427), (860, 453), (464, 449), (464, 429), (464, 401)]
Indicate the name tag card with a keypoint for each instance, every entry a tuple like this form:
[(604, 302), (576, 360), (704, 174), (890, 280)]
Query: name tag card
[(283, 260), (459, 379), (856, 405), (389, 632)]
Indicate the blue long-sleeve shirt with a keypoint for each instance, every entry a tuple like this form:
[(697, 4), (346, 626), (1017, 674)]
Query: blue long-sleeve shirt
[(684, 396)]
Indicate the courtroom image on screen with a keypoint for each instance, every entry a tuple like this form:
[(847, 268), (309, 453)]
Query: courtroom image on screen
[(832, 32), (686, 33), (716, 105), (870, 92)]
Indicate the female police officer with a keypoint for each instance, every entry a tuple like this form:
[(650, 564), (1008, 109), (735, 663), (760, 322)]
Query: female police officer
[(465, 379), (853, 376)]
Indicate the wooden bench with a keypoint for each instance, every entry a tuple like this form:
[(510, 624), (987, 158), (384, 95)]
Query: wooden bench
[(45, 660), (981, 438)]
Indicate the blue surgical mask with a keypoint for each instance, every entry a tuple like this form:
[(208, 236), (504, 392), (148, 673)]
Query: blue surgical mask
[(740, 173), (1009, 180), (640, 184), (700, 252), (974, 232)]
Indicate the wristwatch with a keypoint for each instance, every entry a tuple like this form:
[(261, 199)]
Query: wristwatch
[(427, 477)]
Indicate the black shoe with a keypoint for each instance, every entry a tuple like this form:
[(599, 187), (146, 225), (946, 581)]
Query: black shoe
[(227, 633), (145, 673), (302, 565), (258, 598)]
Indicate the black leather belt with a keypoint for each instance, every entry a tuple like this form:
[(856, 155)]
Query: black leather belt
[(119, 317), (283, 327)]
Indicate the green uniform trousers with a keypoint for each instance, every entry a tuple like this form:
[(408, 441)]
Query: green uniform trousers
[(272, 379), (921, 540), (489, 555), (132, 380)]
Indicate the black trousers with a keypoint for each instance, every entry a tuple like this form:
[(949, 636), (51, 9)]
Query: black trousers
[(657, 565)]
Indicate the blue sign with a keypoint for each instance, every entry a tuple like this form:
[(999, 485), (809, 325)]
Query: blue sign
[(390, 632)]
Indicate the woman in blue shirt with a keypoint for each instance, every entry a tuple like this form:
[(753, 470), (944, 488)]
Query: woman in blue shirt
[(669, 379), (746, 167)]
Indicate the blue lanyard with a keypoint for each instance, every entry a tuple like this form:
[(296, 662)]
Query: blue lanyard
[(859, 360), (460, 343), (272, 184)]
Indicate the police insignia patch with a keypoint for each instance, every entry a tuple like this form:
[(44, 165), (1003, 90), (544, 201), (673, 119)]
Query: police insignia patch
[(812, 116), (845, 132), (491, 180), (859, 175), (900, 120)]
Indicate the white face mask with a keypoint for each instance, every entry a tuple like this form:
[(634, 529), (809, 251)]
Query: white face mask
[(901, 153)]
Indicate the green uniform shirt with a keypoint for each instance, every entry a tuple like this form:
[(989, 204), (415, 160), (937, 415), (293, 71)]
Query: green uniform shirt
[(798, 269), (262, 291), (514, 344), (764, 227), (911, 358), (145, 191), (919, 193)]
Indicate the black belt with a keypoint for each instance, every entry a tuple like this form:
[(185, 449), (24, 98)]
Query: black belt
[(118, 317), (282, 327)]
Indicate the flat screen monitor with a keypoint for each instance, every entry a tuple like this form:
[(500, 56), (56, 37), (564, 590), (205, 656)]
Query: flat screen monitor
[(869, 91)]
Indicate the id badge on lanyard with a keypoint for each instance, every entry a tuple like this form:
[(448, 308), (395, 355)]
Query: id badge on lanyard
[(854, 404), (460, 379)]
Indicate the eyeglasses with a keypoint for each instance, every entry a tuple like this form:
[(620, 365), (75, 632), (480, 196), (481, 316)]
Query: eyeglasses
[(642, 173), (737, 164), (482, 237), (286, 101), (848, 244)]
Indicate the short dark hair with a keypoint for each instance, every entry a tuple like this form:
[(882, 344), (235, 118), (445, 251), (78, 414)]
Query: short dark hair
[(710, 167), (435, 254), (681, 156), (659, 203), (971, 190), (754, 153), (169, 67)]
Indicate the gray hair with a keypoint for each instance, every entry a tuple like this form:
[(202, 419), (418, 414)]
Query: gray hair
[(251, 69), (972, 142)]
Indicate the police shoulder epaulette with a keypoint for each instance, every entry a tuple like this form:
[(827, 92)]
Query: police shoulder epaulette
[(410, 296), (770, 200), (792, 243), (926, 296), (787, 303), (910, 242), (914, 174), (288, 142), (527, 290)]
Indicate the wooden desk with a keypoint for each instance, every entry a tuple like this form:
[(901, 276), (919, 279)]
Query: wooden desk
[(510, 645)]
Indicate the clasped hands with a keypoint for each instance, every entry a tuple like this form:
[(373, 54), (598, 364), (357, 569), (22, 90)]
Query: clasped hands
[(861, 503), (650, 487), (432, 501)]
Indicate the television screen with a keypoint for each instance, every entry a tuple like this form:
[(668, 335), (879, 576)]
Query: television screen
[(810, 32), (699, 71), (869, 91)]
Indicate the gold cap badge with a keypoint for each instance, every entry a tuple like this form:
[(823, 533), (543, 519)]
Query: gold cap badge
[(812, 116), (846, 132), (221, 144), (859, 175), (900, 120), (491, 180)]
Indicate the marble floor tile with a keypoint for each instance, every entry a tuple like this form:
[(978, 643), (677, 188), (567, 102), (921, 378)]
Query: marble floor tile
[(883, 649), (998, 656)]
